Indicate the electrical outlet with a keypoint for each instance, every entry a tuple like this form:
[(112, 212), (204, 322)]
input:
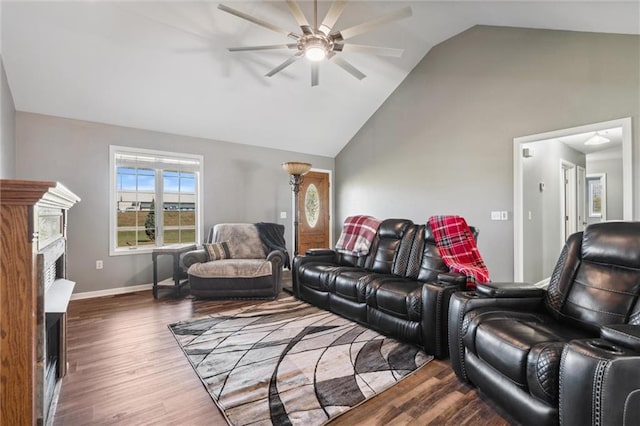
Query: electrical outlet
[(283, 215), (495, 215), (99, 264)]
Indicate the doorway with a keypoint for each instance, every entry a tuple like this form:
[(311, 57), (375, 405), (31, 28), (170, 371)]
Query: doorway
[(531, 223), (314, 201)]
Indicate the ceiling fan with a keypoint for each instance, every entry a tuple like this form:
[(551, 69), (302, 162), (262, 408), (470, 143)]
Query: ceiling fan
[(320, 42)]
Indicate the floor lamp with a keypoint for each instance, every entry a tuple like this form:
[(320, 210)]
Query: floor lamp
[(296, 171)]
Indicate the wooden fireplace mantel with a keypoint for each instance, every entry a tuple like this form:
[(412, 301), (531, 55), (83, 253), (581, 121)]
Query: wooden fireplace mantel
[(33, 216)]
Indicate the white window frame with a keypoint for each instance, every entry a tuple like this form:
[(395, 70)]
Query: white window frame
[(113, 189)]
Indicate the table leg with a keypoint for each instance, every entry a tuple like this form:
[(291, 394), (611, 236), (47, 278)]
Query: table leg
[(176, 271), (155, 275)]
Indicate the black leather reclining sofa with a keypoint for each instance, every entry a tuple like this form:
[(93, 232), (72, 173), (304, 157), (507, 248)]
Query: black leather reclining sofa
[(401, 288)]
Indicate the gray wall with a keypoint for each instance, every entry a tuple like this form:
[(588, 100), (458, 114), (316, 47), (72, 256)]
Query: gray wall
[(542, 233), (7, 133), (613, 170), (442, 143), (241, 183)]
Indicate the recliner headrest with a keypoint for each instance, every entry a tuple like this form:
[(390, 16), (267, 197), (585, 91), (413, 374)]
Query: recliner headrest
[(393, 228), (616, 243)]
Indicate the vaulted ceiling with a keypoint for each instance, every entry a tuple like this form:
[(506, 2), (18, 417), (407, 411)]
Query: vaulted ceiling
[(164, 65)]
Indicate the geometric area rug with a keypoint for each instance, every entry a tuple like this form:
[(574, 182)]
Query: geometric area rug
[(286, 362)]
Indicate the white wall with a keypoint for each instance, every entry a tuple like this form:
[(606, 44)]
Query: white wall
[(442, 143), (7, 133), (241, 183)]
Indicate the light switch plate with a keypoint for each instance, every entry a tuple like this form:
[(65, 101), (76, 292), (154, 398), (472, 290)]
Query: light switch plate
[(283, 215), (495, 215)]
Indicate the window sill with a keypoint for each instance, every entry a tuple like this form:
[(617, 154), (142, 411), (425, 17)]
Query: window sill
[(128, 252)]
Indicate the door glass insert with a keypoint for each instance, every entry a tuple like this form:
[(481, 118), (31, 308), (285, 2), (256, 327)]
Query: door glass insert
[(312, 205)]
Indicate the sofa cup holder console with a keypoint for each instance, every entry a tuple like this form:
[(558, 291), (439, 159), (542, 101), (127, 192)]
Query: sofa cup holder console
[(604, 346)]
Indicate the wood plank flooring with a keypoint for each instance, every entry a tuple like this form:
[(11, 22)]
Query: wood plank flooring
[(125, 368)]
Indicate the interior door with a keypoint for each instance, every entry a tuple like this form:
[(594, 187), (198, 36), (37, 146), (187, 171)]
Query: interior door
[(313, 198), (568, 199), (581, 198)]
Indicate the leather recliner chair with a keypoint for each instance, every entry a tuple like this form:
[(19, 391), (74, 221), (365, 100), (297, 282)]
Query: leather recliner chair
[(569, 355)]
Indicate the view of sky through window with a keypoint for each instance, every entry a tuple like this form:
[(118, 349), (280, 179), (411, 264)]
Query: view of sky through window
[(134, 179)]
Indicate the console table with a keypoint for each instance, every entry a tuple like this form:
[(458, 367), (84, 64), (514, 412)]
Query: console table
[(180, 279)]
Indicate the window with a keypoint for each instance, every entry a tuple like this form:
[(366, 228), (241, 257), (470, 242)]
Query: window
[(155, 199)]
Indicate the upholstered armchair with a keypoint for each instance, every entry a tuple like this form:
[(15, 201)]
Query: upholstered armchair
[(569, 355), (235, 262)]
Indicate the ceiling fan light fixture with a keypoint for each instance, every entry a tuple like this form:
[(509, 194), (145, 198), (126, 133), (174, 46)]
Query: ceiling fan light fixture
[(597, 139), (315, 53), (315, 49)]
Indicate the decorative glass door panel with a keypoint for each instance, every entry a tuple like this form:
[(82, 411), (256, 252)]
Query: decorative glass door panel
[(312, 205), (313, 230)]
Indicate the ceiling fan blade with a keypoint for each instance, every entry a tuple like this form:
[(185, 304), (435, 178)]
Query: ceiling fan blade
[(284, 64), (257, 21), (315, 73), (347, 67), (368, 26), (266, 47), (299, 15), (374, 50), (332, 16)]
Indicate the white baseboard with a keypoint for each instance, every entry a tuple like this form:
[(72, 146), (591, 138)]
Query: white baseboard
[(111, 291)]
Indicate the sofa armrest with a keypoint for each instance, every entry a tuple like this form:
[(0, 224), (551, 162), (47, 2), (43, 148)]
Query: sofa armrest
[(453, 278), (599, 384), (194, 256), (463, 302), (509, 289), (301, 260), (276, 257), (624, 335), (321, 252), (435, 307)]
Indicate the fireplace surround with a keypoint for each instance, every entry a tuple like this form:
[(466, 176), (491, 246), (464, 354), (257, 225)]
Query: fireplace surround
[(34, 293)]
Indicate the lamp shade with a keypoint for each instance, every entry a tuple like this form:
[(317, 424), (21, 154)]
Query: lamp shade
[(296, 168)]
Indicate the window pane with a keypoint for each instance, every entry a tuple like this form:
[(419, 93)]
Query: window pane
[(179, 207), (171, 184), (183, 235), (188, 183), (135, 198)]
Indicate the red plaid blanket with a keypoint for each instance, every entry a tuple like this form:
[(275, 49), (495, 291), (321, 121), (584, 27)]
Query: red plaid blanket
[(458, 248), (357, 235)]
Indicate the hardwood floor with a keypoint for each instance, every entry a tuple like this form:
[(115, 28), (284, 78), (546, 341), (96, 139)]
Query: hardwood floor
[(125, 368)]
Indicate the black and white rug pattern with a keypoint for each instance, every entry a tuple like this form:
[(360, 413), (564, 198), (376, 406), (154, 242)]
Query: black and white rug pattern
[(288, 363)]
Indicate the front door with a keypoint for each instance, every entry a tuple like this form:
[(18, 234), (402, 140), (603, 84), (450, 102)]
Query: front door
[(313, 198)]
